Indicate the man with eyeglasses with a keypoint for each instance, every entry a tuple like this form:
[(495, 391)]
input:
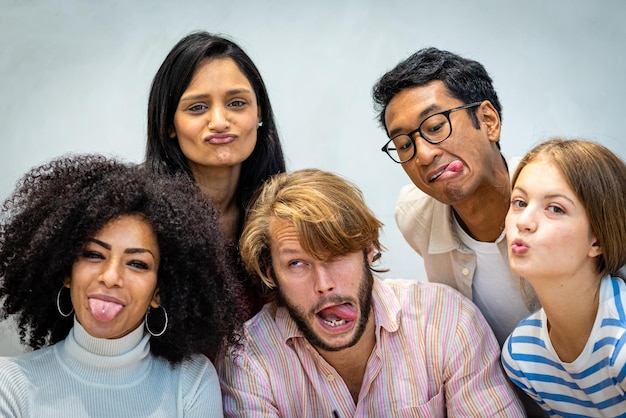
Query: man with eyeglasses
[(443, 117)]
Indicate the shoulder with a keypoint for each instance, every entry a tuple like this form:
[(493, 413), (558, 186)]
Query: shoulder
[(197, 364), (426, 293), (434, 305), (264, 335), (526, 336), (198, 377), (263, 323), (411, 198), (35, 363), (14, 387), (416, 212), (10, 368), (414, 207), (613, 300)]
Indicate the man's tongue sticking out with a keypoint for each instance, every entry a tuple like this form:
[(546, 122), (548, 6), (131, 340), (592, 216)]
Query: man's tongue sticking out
[(104, 310), (455, 166), (345, 312)]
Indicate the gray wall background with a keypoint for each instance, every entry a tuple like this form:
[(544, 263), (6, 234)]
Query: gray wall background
[(75, 75)]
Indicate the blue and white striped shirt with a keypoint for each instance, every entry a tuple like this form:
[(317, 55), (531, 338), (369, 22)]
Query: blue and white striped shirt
[(593, 385)]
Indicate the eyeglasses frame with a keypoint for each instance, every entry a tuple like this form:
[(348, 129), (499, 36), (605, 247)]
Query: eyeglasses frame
[(446, 113)]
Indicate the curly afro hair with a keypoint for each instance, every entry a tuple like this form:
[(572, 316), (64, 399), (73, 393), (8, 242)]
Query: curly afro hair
[(58, 206)]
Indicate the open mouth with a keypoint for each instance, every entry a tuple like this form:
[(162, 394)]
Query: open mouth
[(453, 167), (104, 310), (337, 315), (436, 176)]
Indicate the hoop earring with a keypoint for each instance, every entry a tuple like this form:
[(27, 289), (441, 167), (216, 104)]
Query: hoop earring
[(157, 334), (63, 314)]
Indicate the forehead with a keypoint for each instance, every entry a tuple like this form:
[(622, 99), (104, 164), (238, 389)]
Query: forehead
[(407, 108), (283, 237), (219, 72), (128, 231), (542, 175)]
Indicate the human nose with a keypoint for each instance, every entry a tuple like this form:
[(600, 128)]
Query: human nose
[(324, 283), (525, 221), (218, 118), (112, 274), (425, 152)]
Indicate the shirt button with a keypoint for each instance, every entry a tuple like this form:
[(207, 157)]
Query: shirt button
[(330, 378), (465, 271)]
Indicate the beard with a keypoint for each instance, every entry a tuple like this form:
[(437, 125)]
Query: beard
[(364, 304)]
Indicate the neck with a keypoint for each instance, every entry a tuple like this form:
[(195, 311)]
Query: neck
[(351, 362), (220, 185), (571, 307), (482, 216)]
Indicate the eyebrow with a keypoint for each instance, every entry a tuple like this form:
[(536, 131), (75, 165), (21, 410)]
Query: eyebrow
[(126, 251), (228, 92), (430, 109), (289, 251), (548, 196)]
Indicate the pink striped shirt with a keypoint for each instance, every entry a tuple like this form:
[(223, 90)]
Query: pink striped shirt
[(435, 355)]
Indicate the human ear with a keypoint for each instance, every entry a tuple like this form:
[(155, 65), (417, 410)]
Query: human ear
[(595, 250), (156, 299), (488, 115)]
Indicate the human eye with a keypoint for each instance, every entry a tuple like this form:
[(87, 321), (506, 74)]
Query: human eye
[(400, 143), (434, 124), (517, 203), (405, 143), (556, 209), (89, 252), (139, 264), (237, 103), (197, 108)]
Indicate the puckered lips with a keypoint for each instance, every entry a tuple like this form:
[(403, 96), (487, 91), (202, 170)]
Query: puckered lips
[(220, 138), (104, 308), (519, 247), (337, 318), (454, 167)]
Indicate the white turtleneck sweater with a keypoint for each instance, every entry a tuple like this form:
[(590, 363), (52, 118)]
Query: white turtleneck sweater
[(83, 376)]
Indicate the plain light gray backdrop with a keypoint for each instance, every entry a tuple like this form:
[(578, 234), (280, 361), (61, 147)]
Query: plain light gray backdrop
[(75, 75)]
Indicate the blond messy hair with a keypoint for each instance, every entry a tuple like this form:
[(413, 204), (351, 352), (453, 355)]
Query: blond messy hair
[(327, 211)]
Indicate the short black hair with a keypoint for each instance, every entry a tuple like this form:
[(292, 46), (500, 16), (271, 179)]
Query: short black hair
[(466, 80)]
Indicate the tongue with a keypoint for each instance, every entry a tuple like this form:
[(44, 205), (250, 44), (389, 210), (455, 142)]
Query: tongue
[(339, 312), (455, 166), (104, 311)]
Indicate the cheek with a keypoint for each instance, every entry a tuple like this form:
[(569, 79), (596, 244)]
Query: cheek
[(184, 127), (251, 132), (295, 292), (509, 222)]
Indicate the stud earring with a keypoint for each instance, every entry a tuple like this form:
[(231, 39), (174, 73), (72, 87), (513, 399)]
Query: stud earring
[(260, 123)]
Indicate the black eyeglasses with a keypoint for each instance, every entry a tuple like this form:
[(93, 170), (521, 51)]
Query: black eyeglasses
[(434, 129)]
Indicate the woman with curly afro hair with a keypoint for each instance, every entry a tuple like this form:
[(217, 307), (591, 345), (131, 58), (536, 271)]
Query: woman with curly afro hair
[(118, 279)]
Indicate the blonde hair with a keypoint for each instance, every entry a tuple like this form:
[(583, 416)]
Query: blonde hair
[(598, 178), (328, 212)]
